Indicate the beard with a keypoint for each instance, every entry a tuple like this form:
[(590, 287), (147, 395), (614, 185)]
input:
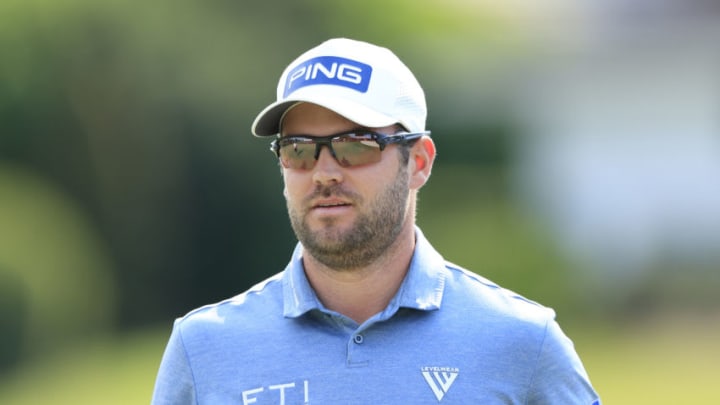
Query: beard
[(369, 237)]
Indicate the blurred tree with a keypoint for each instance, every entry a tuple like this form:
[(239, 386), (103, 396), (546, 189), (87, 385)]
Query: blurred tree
[(56, 276), (13, 314)]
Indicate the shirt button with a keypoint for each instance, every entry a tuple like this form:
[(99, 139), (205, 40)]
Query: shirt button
[(358, 339)]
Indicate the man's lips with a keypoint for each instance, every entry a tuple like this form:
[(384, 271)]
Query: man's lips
[(330, 200), (330, 204)]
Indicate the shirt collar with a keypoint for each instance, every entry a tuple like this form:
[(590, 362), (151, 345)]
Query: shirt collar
[(421, 289)]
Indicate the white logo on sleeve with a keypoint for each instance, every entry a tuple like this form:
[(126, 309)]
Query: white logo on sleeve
[(440, 379)]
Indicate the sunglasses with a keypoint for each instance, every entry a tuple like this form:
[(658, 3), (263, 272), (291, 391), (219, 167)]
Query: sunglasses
[(352, 148)]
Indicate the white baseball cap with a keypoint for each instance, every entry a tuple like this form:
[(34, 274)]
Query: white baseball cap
[(364, 83)]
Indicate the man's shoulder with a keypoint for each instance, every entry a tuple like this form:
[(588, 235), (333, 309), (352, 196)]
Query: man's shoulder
[(257, 302), (485, 298)]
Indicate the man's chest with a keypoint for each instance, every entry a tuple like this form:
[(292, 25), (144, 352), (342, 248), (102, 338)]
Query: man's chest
[(356, 372)]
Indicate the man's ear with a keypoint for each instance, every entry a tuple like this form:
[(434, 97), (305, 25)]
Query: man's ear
[(422, 156)]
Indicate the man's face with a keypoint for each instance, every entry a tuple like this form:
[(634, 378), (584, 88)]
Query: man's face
[(345, 217)]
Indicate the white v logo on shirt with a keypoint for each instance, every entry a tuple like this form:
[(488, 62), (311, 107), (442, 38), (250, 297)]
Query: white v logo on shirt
[(440, 380)]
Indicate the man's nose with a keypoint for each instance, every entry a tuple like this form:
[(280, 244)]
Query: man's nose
[(327, 169)]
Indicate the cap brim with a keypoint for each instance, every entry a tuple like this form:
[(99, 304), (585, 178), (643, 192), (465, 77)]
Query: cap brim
[(267, 123)]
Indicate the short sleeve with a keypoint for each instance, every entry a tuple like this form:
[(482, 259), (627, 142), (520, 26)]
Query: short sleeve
[(174, 382), (559, 376)]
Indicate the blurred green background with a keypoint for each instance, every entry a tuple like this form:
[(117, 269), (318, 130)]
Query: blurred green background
[(131, 190)]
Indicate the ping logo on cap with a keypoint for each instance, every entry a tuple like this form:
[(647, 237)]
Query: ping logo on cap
[(330, 70)]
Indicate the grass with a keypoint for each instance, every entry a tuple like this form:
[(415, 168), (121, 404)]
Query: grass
[(119, 370), (674, 361), (671, 361)]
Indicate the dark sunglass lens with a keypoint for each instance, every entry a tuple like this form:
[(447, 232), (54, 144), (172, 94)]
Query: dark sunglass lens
[(297, 155), (356, 150)]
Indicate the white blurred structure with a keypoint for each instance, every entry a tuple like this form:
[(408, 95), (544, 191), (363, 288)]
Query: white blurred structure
[(621, 150)]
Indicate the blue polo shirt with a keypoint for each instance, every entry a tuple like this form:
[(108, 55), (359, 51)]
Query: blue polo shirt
[(448, 336)]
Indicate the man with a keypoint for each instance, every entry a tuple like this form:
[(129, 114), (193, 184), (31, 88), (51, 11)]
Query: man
[(366, 312)]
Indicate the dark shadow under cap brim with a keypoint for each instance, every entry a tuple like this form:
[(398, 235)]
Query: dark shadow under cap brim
[(267, 122)]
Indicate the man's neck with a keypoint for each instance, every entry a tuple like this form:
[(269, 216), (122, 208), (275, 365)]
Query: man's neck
[(363, 292)]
